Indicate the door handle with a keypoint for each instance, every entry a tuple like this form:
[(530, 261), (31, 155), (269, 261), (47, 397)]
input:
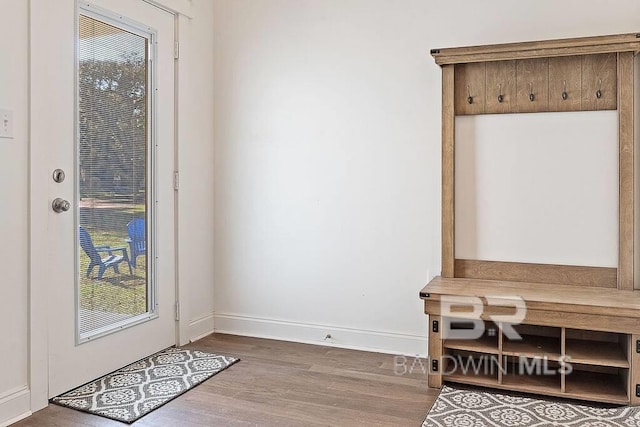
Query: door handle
[(60, 205)]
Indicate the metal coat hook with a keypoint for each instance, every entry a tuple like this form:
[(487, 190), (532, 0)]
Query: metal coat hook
[(469, 97), (531, 95), (599, 91), (500, 97), (565, 95)]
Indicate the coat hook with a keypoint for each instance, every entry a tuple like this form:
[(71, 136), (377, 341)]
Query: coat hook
[(469, 97), (500, 97), (565, 95), (599, 91), (531, 95)]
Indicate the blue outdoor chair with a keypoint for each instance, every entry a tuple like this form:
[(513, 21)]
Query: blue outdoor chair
[(137, 239), (93, 252)]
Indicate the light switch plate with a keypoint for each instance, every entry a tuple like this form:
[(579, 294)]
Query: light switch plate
[(6, 123)]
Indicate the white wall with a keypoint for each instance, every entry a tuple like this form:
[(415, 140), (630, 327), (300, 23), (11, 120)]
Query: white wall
[(539, 188), (195, 160), (14, 216), (327, 171)]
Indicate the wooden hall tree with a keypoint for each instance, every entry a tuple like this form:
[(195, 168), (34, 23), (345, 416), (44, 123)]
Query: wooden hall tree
[(581, 323)]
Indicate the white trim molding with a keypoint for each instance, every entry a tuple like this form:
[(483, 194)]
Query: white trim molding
[(200, 327), (15, 405), (182, 7), (308, 333)]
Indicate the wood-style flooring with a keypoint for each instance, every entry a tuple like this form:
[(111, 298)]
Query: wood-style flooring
[(279, 383)]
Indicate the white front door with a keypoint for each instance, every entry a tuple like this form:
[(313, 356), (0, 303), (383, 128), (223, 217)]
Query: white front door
[(102, 111)]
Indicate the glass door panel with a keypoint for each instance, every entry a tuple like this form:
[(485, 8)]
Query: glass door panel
[(114, 289)]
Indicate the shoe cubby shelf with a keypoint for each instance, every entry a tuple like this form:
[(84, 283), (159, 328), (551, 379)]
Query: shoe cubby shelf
[(591, 366)]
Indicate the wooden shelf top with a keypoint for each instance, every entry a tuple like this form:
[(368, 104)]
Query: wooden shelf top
[(539, 296), (538, 49)]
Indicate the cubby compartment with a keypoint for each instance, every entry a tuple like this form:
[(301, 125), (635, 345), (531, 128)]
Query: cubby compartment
[(487, 343), (597, 348), (532, 374), (536, 341), (600, 383), (470, 367)]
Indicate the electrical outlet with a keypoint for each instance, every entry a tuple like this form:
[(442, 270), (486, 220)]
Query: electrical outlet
[(6, 124)]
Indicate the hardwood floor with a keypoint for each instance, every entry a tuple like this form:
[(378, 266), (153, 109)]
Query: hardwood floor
[(279, 383)]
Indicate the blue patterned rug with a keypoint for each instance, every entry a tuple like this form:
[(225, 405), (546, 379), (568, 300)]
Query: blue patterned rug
[(459, 407), (135, 390)]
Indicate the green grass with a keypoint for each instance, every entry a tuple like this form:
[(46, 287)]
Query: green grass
[(122, 292)]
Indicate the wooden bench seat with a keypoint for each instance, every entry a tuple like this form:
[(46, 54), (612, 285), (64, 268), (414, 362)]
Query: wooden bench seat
[(554, 305), (594, 330)]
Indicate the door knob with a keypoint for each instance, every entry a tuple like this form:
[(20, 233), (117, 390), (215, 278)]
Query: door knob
[(60, 205)]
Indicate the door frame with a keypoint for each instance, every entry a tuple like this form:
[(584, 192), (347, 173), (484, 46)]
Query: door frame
[(38, 371), (86, 8)]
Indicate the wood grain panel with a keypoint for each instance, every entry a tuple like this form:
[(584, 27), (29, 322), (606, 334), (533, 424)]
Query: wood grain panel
[(563, 352), (565, 75), (540, 273), (448, 171), (435, 352), (532, 76), (470, 83), (576, 334), (538, 49), (565, 299), (595, 322), (501, 87), (500, 352), (599, 73), (634, 377), (473, 58), (626, 140)]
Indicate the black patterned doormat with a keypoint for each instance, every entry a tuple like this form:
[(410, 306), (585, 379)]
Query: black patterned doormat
[(475, 408), (135, 390)]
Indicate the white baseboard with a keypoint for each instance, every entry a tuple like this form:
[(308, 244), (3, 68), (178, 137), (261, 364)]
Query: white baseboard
[(356, 339), (14, 405), (201, 327)]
